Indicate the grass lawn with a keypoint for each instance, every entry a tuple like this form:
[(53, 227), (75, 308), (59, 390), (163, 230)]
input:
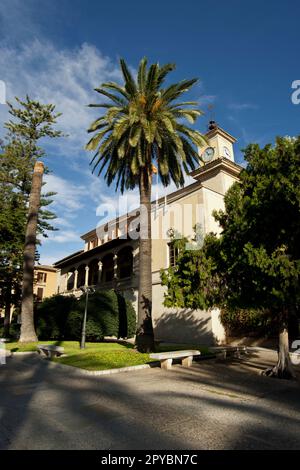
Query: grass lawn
[(100, 356), (95, 356)]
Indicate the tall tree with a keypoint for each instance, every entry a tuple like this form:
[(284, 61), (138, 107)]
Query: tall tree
[(16, 168), (27, 327), (255, 263), (12, 224), (30, 122), (142, 132)]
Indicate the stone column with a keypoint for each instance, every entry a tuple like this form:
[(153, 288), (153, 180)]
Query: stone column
[(115, 266), (135, 267), (66, 282), (100, 264), (75, 279), (86, 276)]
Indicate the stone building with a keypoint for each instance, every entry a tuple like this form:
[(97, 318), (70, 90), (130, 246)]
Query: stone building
[(45, 281), (109, 258)]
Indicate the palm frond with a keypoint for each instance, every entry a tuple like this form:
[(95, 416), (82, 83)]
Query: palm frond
[(130, 85), (143, 125)]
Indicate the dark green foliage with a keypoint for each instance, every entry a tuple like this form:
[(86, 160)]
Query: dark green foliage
[(252, 270), (103, 315), (127, 318), (14, 331), (131, 319), (192, 282), (60, 317), (259, 253), (52, 317), (254, 322)]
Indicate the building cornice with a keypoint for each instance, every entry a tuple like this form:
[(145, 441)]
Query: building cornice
[(219, 130), (82, 255), (215, 166), (45, 267)]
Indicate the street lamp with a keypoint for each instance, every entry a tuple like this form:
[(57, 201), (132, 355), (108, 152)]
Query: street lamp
[(87, 291)]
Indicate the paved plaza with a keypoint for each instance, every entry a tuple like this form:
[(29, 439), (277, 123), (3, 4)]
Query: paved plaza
[(213, 405)]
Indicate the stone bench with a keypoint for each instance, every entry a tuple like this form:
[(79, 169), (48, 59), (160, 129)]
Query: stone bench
[(50, 350), (229, 350), (166, 358)]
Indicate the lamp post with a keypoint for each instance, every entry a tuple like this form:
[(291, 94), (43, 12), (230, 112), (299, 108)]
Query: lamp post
[(87, 290)]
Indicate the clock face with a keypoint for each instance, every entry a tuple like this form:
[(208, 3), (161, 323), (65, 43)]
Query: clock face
[(208, 154), (226, 152)]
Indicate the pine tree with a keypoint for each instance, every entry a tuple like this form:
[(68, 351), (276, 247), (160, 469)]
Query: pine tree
[(19, 153)]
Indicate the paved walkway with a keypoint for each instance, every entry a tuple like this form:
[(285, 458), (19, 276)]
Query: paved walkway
[(213, 405)]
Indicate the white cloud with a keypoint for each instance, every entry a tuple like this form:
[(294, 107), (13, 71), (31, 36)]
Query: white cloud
[(51, 259), (242, 106), (63, 236), (64, 77), (69, 198), (61, 222), (207, 99)]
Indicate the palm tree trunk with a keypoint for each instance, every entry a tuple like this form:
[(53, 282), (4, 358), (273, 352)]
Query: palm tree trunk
[(144, 335), (283, 368), (28, 333)]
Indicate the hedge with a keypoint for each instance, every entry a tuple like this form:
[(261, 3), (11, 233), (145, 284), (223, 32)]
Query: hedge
[(109, 314), (252, 322)]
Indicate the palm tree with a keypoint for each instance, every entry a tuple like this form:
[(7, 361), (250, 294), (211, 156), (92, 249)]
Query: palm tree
[(143, 132)]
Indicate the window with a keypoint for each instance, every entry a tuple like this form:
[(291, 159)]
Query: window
[(125, 262), (173, 254), (40, 293), (108, 268), (41, 277)]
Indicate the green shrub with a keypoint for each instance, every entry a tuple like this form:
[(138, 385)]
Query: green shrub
[(14, 330), (52, 316), (73, 325), (131, 319), (248, 321), (109, 314)]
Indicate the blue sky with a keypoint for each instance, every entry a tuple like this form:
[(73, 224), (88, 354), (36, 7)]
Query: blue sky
[(246, 55)]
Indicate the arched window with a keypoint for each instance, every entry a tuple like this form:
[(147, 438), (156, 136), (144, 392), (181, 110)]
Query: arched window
[(108, 268), (81, 276), (93, 272), (71, 278), (125, 262)]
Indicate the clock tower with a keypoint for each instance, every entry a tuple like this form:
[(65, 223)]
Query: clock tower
[(220, 144), (217, 170)]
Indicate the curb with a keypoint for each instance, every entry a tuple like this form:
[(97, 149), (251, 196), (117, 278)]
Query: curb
[(22, 353), (55, 365)]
